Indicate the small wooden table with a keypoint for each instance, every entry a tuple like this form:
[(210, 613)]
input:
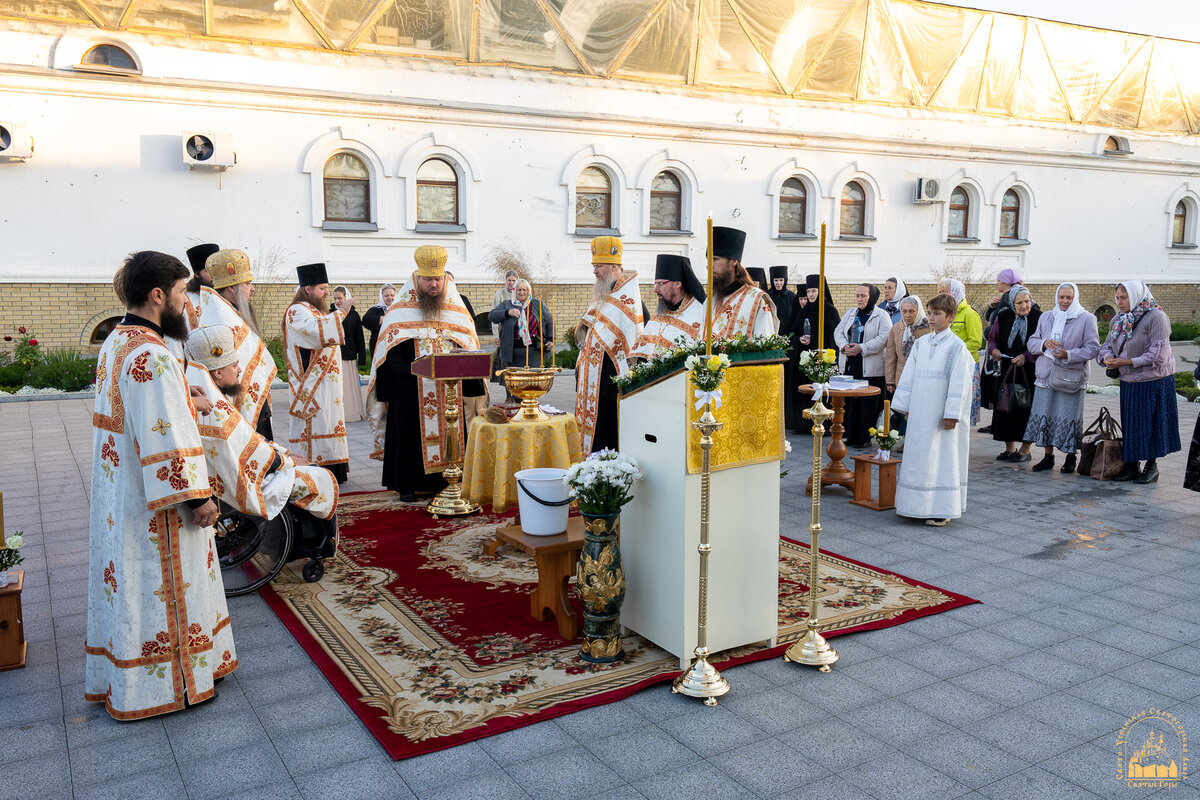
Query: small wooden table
[(12, 630), (835, 472), (555, 557), (887, 482)]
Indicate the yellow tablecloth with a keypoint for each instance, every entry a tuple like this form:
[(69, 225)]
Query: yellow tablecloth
[(495, 452)]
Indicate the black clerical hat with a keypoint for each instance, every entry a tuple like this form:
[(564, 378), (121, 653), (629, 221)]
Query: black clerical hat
[(758, 275), (779, 272), (728, 243), (312, 274), (813, 282), (679, 268), (199, 254)]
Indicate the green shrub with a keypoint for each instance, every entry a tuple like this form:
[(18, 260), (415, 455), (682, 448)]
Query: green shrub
[(1184, 331), (61, 355), (1185, 384), (275, 348), (1102, 328), (566, 358), (68, 376), (364, 369), (13, 375)]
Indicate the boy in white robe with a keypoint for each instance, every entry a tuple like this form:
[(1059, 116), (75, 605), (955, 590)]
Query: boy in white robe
[(935, 392)]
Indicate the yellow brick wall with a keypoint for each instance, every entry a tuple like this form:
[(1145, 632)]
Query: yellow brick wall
[(64, 315)]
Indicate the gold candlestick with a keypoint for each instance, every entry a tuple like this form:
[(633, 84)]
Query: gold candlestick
[(821, 295), (450, 501), (813, 649), (708, 306), (702, 679)]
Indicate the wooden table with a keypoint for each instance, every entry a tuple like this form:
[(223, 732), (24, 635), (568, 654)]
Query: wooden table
[(12, 631), (862, 482), (835, 472), (555, 557)]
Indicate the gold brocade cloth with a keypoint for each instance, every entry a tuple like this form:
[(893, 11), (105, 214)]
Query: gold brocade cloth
[(752, 410), (496, 452)]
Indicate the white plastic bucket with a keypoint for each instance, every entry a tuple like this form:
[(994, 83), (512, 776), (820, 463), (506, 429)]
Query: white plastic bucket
[(544, 500)]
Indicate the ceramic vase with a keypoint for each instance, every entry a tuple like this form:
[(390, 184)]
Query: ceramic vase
[(600, 577)]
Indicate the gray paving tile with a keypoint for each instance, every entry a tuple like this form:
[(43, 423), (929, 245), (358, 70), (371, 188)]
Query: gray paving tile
[(1162, 678), (951, 704), (32, 739), (768, 767), (530, 742), (1002, 685), (286, 717), (720, 730), (366, 779), (890, 676), (773, 711), (601, 721), (641, 752), (835, 745), (1029, 632), (1027, 738), (160, 782), (1094, 768), (835, 692), (901, 777), (970, 761), (285, 790), (1165, 623), (242, 770), (430, 771), (44, 777), (567, 773), (320, 748), (692, 780), (941, 659), (1035, 784), (31, 707), (145, 749), (895, 722), (1123, 697), (986, 646), (1051, 670), (1186, 658)]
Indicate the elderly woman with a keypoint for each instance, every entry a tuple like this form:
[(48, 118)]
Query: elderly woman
[(969, 327), (913, 325), (1065, 341), (1138, 347), (1007, 282), (893, 292), (860, 337), (1008, 344), (522, 322)]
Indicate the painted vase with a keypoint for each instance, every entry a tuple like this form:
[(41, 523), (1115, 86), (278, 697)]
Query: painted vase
[(600, 578)]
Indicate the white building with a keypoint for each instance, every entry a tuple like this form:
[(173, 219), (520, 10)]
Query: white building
[(355, 131)]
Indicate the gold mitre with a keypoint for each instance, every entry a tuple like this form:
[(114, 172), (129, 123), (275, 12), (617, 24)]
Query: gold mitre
[(606, 250), (228, 267), (431, 261)]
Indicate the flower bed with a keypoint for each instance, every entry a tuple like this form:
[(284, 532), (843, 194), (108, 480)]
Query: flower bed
[(29, 368)]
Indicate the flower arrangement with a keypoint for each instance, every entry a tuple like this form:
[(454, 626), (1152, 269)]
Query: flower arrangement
[(886, 440), (669, 361), (707, 373), (602, 482), (10, 554), (818, 365)]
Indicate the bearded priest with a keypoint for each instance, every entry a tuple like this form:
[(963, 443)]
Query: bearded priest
[(680, 312), (158, 632), (311, 338), (606, 335), (247, 471), (428, 316), (739, 307)]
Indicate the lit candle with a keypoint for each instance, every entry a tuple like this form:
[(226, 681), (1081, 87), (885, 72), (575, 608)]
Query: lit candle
[(526, 311), (542, 337), (821, 295), (887, 416), (708, 307)]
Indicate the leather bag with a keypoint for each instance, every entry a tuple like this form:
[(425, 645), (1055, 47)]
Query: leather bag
[(1067, 381), (1014, 395), (1100, 448)]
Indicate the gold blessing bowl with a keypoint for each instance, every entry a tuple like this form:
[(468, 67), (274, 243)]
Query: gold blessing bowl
[(529, 385)]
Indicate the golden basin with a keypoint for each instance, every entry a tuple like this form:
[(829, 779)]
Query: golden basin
[(529, 385)]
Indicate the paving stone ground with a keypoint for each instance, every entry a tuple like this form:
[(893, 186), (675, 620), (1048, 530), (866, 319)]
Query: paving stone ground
[(1089, 616)]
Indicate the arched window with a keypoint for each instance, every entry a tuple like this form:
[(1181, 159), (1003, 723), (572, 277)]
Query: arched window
[(109, 57), (854, 210), (666, 203), (1179, 224), (437, 192), (101, 331), (793, 206), (1112, 145), (1010, 215), (960, 213), (347, 189), (593, 199)]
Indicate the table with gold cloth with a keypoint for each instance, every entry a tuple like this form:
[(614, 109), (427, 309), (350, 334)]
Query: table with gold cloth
[(496, 452)]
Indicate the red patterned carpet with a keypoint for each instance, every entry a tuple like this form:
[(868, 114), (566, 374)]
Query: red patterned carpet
[(431, 642)]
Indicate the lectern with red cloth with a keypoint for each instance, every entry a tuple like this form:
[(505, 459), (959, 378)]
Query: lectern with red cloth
[(451, 368)]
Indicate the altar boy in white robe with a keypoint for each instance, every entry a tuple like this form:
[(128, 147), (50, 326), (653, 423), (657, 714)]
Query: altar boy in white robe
[(935, 392)]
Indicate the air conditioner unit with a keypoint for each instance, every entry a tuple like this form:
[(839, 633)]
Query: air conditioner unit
[(15, 142), (929, 190), (204, 150)]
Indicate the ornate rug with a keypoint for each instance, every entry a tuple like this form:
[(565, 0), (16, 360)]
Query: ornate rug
[(431, 642)]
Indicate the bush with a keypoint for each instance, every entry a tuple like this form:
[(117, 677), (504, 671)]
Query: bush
[(1185, 384), (13, 375), (1102, 328), (67, 376), (275, 348), (1184, 331), (566, 358)]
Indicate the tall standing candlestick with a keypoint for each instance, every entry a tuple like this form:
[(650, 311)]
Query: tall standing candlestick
[(887, 416), (821, 295), (708, 307), (541, 338)]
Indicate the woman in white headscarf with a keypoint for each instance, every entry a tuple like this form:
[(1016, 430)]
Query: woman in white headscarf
[(1138, 348), (894, 291), (913, 325), (1065, 341)]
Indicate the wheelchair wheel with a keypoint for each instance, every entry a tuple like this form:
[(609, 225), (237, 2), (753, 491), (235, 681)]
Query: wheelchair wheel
[(252, 550), (314, 570)]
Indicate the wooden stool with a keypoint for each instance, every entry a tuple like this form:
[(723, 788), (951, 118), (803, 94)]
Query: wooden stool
[(555, 557), (12, 631), (887, 482)]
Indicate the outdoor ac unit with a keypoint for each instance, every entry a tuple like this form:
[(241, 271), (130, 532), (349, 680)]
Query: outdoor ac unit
[(208, 150), (15, 141), (929, 190)]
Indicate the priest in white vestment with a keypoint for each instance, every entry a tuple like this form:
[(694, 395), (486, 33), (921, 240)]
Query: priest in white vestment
[(246, 470), (935, 390), (739, 307), (158, 631), (680, 312), (312, 334), (606, 334)]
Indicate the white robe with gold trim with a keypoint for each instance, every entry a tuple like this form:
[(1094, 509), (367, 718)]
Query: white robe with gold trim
[(318, 421), (660, 333), (238, 459), (610, 328), (158, 626), (258, 368), (749, 311)]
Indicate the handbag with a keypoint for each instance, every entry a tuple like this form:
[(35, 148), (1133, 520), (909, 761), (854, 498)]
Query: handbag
[(1014, 396), (1067, 381), (1100, 448)]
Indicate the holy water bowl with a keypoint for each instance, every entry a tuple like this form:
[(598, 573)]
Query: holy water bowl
[(529, 385)]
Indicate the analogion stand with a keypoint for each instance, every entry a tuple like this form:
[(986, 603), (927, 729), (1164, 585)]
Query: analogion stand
[(836, 473)]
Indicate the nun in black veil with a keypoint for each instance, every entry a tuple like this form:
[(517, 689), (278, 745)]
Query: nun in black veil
[(804, 334)]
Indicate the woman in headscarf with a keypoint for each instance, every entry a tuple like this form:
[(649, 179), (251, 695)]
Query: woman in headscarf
[(374, 315), (1065, 341), (1008, 283), (1191, 474), (861, 336), (893, 292), (804, 331), (969, 327), (1139, 348), (526, 329), (1008, 343), (912, 326)]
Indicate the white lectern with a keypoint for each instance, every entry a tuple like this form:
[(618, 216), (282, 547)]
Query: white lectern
[(660, 527)]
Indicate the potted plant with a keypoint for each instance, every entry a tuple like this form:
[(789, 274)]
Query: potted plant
[(601, 484), (885, 440), (819, 366)]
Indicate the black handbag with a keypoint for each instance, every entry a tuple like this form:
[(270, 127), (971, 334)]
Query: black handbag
[(1014, 396)]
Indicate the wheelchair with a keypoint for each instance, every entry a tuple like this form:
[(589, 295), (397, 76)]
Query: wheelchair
[(253, 550)]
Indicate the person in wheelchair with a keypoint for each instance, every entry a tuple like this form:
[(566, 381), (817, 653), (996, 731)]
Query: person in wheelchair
[(275, 507)]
